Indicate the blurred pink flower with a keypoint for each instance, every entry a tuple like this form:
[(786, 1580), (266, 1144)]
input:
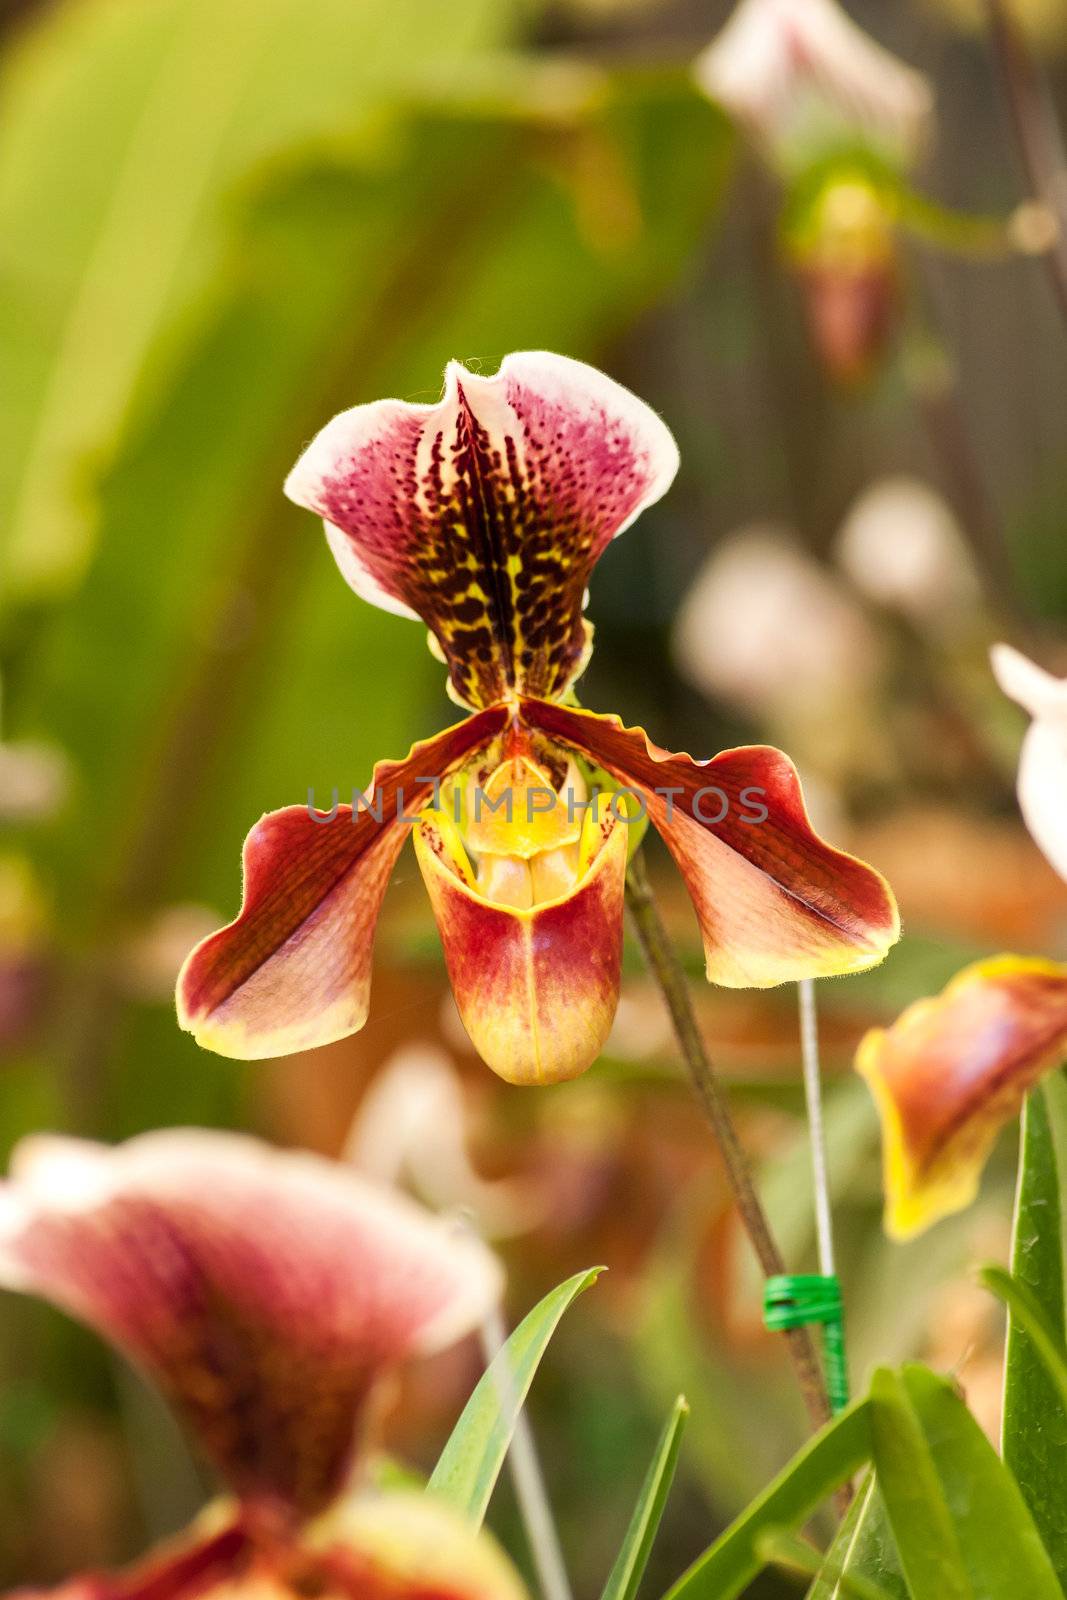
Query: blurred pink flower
[(806, 80), (267, 1293)]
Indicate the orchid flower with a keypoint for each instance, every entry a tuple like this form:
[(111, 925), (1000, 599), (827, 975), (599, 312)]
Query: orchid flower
[(1042, 785), (949, 1074), (806, 80), (484, 515), (268, 1294), (840, 120)]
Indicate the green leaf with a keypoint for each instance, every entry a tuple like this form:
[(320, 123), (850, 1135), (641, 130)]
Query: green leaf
[(915, 1503), (470, 1463), (793, 1554), (1001, 1547), (813, 1474), (629, 1568), (1029, 1315), (1035, 1399), (105, 110), (863, 1548)]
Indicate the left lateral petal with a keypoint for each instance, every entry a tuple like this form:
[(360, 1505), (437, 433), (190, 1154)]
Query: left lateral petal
[(293, 970), (537, 988), (775, 902), (951, 1071), (266, 1292), (486, 513)]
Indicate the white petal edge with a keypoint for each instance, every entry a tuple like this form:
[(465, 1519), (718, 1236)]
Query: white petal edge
[(51, 1173)]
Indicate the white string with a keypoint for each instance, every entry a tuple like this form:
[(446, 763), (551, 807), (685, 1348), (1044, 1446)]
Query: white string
[(525, 1468), (809, 1050)]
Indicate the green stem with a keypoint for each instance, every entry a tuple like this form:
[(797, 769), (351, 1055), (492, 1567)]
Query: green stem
[(663, 963)]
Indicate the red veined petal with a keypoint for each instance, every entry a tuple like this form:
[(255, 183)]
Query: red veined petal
[(536, 987), (266, 1292), (951, 1071), (294, 969), (486, 513), (775, 902)]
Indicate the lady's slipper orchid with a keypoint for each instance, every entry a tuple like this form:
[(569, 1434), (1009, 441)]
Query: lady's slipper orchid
[(840, 119), (268, 1294), (951, 1071), (485, 515), (1042, 785), (807, 81)]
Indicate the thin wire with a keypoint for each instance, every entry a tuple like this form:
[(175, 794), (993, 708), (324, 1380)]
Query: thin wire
[(530, 1492), (809, 1049)]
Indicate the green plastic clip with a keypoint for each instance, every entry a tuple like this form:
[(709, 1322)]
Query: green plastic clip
[(796, 1300)]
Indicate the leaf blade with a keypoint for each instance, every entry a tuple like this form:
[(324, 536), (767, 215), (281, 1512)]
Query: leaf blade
[(1001, 1548), (629, 1568), (918, 1513), (1034, 1432), (863, 1547), (470, 1463), (826, 1461)]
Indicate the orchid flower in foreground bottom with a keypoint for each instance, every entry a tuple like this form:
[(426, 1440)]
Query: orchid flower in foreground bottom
[(267, 1294), (949, 1074), (484, 515)]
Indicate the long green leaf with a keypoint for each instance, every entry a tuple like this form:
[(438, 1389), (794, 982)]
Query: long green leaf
[(1002, 1550), (625, 1577), (1034, 1432), (813, 1474), (863, 1548), (470, 1463), (915, 1503)]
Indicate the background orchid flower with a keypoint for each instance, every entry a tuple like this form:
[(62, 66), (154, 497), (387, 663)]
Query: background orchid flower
[(840, 119), (1042, 783), (484, 515), (267, 1294), (949, 1074), (806, 80)]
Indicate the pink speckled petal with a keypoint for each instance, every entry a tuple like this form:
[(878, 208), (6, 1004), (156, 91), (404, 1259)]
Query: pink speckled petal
[(486, 513), (266, 1292)]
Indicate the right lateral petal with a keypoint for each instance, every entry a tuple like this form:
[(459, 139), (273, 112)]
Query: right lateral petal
[(293, 970), (775, 902)]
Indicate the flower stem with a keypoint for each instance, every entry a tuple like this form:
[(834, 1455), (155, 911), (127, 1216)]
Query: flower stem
[(667, 970), (530, 1493), (1037, 134)]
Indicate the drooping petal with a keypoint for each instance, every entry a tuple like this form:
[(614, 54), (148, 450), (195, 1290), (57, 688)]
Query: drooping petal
[(1042, 782), (775, 902), (536, 986), (266, 1292), (804, 78), (293, 970), (486, 513), (951, 1071)]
